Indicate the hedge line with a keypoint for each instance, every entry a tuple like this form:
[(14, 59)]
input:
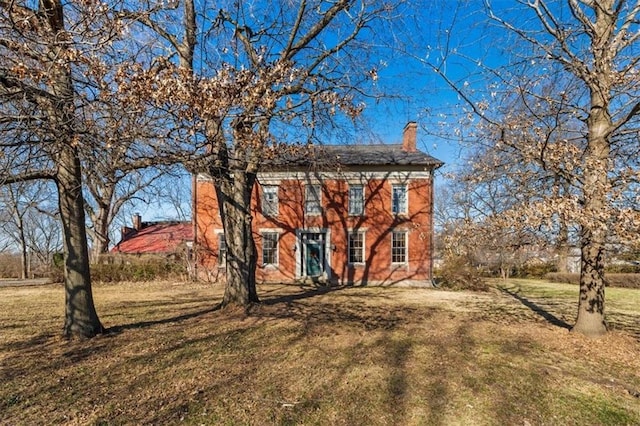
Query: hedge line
[(136, 272), (612, 280), (132, 269)]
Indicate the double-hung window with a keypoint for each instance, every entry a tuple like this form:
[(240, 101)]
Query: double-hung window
[(222, 251), (356, 247), (398, 199), (270, 200), (313, 199), (356, 200), (398, 247), (270, 248)]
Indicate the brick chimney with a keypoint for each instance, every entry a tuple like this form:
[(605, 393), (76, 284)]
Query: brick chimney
[(137, 221), (125, 232), (409, 137)]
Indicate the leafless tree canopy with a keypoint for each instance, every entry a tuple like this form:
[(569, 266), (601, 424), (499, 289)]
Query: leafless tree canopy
[(240, 79), (560, 124)]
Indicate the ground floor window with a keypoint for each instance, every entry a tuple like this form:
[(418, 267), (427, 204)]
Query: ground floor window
[(356, 247), (398, 247), (222, 251), (270, 248)]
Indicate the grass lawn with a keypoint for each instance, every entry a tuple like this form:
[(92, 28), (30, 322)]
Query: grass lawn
[(349, 356)]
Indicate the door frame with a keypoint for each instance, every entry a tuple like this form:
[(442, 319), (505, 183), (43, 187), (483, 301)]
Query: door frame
[(300, 247)]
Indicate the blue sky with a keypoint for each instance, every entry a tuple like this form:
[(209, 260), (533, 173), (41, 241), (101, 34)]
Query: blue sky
[(437, 29), (459, 32), (419, 94)]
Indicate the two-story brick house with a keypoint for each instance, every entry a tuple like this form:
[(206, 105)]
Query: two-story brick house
[(350, 214)]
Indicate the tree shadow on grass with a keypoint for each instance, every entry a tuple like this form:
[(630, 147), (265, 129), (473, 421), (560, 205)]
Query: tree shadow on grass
[(304, 293), (548, 316), (143, 324), (624, 322), (37, 340), (286, 299)]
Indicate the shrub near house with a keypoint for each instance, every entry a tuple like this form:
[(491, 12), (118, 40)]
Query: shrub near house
[(358, 214)]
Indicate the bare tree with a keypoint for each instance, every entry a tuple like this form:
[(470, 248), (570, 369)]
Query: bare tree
[(474, 229), (587, 51), (26, 221), (598, 46), (42, 47), (261, 73), (110, 187), (125, 156), (44, 239), (16, 204)]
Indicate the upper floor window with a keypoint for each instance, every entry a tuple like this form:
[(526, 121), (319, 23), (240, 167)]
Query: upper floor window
[(399, 247), (313, 199), (270, 200), (270, 248), (398, 199), (356, 200), (356, 247)]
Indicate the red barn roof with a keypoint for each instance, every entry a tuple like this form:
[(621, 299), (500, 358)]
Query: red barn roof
[(155, 237)]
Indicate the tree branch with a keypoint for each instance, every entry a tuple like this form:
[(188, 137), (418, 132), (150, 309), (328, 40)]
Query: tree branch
[(28, 176), (622, 39), (296, 27), (635, 110), (319, 26)]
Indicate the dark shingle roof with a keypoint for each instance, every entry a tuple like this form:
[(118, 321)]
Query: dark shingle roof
[(329, 156)]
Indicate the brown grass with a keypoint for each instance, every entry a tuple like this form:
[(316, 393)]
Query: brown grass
[(350, 356)]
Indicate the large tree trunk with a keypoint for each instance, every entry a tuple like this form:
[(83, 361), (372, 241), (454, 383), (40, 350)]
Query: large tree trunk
[(81, 318), (590, 320), (234, 199)]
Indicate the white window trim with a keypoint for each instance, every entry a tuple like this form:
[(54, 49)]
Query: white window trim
[(272, 230), (277, 248), (361, 213), (364, 246), (277, 201), (406, 247), (218, 233), (306, 199), (405, 208)]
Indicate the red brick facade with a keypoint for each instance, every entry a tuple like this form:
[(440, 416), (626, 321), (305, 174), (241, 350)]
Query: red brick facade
[(360, 214), (372, 225)]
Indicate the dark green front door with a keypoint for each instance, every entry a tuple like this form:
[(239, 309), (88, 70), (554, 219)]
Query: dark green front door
[(313, 254), (314, 259)]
